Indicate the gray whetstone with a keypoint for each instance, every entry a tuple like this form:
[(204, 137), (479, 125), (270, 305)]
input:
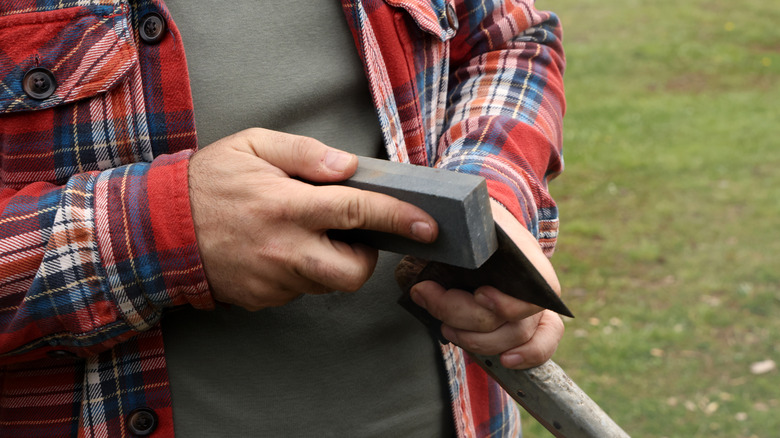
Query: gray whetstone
[(458, 202)]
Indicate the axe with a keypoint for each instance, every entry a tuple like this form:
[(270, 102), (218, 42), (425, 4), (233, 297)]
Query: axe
[(472, 251)]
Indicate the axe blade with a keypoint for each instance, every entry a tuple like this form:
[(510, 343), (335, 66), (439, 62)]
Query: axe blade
[(508, 270)]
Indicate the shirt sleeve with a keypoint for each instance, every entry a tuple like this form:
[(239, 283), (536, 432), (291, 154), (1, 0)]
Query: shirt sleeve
[(94, 262), (505, 107)]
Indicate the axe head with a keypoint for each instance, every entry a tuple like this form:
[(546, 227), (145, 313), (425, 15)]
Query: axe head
[(470, 250)]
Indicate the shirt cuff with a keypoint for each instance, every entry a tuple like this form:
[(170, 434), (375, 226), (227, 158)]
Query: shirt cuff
[(147, 239)]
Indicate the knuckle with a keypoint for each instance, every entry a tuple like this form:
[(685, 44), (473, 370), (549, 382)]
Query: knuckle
[(331, 276), (396, 219), (397, 222), (515, 310), (309, 210), (249, 136), (252, 132), (486, 322), (298, 146), (354, 212), (307, 147), (474, 345), (351, 278), (535, 355), (311, 268), (523, 336), (282, 211), (366, 209)]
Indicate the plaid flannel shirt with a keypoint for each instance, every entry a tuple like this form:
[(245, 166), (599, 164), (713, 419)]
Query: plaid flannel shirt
[(96, 234)]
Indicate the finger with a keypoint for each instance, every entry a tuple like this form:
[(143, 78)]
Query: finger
[(454, 307), (540, 348), (503, 305), (504, 338), (300, 156), (344, 208), (337, 265)]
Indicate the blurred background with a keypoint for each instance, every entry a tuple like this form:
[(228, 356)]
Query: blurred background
[(670, 205)]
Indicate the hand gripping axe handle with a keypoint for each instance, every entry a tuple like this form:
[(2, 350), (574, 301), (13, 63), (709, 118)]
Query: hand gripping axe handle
[(546, 392), (472, 251)]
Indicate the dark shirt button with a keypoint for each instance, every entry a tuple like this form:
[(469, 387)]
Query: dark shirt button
[(152, 28), (142, 422), (452, 17), (61, 354), (39, 83)]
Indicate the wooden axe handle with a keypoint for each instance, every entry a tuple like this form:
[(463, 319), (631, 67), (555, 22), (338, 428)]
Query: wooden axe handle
[(546, 392)]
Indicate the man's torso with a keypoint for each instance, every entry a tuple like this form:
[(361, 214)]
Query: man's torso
[(331, 365)]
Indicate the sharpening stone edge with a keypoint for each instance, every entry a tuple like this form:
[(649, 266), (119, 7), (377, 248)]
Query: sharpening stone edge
[(458, 202)]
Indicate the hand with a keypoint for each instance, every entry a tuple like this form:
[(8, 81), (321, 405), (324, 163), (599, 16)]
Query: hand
[(489, 322), (262, 234)]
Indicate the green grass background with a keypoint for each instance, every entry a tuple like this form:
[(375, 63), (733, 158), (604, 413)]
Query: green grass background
[(668, 252)]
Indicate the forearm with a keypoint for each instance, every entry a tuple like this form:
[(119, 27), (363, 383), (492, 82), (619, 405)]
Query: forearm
[(506, 107)]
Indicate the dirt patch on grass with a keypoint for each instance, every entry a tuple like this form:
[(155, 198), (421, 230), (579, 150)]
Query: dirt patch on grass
[(708, 83), (694, 83), (764, 48)]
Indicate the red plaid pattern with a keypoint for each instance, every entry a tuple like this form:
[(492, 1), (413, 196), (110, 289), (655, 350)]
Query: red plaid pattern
[(96, 236)]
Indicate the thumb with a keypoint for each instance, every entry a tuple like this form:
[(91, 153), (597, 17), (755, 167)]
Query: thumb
[(540, 348), (300, 156)]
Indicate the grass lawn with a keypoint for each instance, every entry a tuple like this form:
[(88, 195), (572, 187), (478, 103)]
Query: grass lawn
[(669, 252)]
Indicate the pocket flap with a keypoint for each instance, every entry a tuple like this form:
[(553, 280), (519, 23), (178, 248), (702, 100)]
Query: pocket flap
[(87, 50), (432, 16)]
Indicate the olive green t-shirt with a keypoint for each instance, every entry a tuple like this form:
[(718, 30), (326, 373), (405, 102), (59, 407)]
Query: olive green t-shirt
[(335, 365)]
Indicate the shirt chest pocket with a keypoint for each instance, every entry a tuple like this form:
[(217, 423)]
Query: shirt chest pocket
[(69, 101), (435, 17)]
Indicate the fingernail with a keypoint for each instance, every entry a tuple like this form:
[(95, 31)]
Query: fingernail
[(422, 231), (513, 360), (337, 160), (417, 297)]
